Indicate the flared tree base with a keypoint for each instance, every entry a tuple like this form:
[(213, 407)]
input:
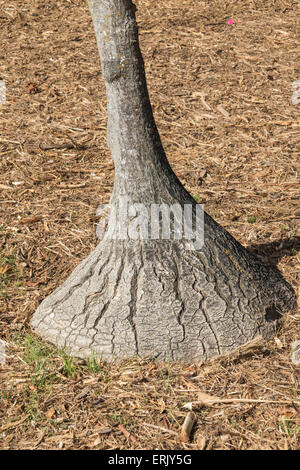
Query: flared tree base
[(154, 298)]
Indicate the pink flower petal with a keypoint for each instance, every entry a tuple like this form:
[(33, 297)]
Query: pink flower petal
[(231, 21)]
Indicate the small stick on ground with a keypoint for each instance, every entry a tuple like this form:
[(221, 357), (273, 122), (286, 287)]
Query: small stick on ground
[(187, 427)]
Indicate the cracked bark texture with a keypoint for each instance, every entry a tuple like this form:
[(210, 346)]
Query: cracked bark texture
[(155, 297)]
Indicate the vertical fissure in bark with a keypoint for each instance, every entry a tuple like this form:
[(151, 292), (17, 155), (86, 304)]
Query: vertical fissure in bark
[(133, 306), (179, 293)]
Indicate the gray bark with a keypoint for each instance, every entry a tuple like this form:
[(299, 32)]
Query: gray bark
[(155, 297)]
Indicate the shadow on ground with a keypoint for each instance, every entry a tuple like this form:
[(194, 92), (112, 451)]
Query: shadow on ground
[(271, 253)]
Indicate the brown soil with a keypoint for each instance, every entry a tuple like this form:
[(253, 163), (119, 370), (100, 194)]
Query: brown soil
[(222, 98)]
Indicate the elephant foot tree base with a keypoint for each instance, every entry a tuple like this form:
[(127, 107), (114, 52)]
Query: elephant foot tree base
[(155, 299), (158, 297)]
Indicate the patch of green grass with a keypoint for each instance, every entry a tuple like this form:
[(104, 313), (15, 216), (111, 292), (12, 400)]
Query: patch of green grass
[(73, 215), (69, 367), (166, 380), (44, 360), (36, 352), (235, 424), (128, 421), (6, 394), (115, 417), (32, 408), (38, 355), (251, 219), (287, 427), (289, 233), (93, 365), (58, 424), (197, 197)]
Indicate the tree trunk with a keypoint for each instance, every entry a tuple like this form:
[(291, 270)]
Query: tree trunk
[(155, 297)]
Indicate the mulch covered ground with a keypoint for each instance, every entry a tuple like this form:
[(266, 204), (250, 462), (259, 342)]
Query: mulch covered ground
[(229, 121)]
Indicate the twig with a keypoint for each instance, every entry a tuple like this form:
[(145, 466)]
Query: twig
[(215, 400), (160, 428), (187, 427), (12, 425), (127, 434)]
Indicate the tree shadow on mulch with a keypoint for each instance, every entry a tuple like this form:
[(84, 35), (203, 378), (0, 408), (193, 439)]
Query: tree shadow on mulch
[(271, 253)]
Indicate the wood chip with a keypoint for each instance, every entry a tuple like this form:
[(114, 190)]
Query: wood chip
[(187, 427)]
